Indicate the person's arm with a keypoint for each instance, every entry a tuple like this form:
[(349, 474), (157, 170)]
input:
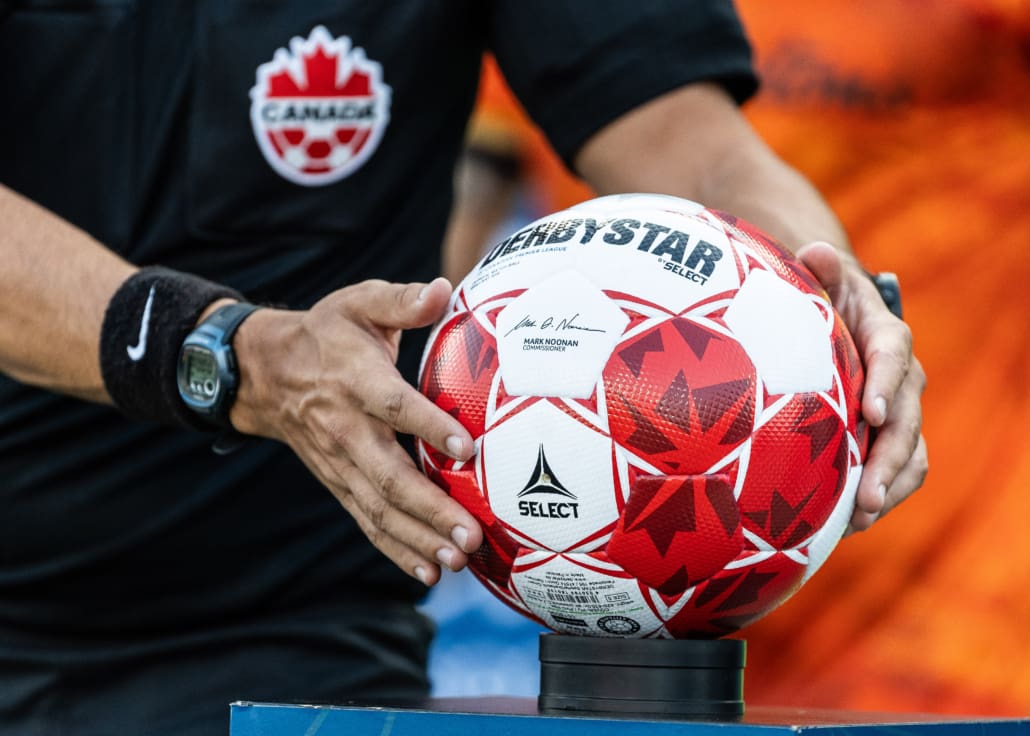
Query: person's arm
[(694, 143), (55, 283), (321, 380), (486, 182)]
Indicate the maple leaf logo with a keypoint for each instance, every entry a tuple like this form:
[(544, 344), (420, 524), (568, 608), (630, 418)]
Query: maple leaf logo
[(319, 109)]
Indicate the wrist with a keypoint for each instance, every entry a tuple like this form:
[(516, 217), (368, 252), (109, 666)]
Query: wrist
[(263, 347), (884, 283), (208, 373), (212, 307)]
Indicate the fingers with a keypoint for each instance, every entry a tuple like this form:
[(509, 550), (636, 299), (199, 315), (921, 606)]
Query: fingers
[(401, 554), (391, 492), (386, 395), (344, 401), (362, 333), (412, 544), (908, 479), (403, 514), (824, 261), (886, 346), (894, 383), (392, 475), (393, 400), (906, 482), (897, 462), (884, 341)]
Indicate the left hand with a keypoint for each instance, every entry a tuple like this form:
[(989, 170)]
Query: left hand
[(896, 463), (324, 381)]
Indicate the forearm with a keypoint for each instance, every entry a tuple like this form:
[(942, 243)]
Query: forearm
[(483, 197), (694, 143), (54, 287), (765, 191)]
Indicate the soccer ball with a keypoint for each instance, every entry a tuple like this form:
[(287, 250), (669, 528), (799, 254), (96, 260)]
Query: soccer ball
[(666, 414)]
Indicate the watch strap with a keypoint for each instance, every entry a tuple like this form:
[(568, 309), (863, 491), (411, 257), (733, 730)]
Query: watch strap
[(224, 321), (890, 291), (228, 319)]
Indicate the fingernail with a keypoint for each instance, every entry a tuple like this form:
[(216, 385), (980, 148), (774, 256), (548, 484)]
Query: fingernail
[(882, 490), (455, 446), (445, 555), (460, 535), (422, 294), (881, 407), (420, 573)]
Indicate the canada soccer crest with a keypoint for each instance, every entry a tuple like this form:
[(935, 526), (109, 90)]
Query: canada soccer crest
[(319, 109)]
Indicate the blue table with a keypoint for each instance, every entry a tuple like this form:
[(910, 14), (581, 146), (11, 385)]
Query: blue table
[(519, 717)]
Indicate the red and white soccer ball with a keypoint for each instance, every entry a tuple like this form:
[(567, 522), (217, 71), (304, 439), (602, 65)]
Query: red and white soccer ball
[(666, 414)]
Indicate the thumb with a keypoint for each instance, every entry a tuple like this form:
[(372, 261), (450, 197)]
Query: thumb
[(824, 261), (403, 306)]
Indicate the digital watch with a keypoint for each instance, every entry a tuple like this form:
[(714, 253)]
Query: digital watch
[(207, 373)]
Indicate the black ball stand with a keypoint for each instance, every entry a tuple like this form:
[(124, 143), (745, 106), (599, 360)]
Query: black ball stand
[(690, 679)]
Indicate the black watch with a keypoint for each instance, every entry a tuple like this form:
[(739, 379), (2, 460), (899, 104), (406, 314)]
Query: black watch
[(207, 373), (890, 291)]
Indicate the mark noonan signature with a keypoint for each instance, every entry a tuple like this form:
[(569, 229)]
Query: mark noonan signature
[(554, 324)]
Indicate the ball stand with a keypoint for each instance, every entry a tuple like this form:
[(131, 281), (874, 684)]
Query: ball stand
[(677, 679)]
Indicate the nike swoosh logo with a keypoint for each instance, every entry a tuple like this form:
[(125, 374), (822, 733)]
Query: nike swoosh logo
[(137, 351)]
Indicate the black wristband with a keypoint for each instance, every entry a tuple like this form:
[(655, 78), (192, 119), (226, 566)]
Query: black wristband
[(144, 326)]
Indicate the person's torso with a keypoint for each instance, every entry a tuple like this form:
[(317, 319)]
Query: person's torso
[(284, 148)]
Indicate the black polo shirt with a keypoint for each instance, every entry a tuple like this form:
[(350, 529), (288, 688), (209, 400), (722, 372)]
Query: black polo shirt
[(286, 149)]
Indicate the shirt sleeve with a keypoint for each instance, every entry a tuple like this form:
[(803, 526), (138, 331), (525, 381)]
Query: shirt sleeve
[(577, 65)]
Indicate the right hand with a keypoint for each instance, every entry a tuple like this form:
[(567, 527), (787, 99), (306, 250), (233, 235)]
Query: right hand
[(896, 464), (325, 382)]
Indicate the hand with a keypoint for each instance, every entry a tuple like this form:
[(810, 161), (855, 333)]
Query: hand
[(896, 463), (324, 381)]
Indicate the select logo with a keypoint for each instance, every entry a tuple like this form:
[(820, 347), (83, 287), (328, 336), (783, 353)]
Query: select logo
[(543, 482)]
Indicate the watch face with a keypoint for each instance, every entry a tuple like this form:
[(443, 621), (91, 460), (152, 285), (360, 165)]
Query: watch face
[(198, 374)]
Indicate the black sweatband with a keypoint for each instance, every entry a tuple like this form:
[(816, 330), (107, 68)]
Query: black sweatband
[(144, 326)]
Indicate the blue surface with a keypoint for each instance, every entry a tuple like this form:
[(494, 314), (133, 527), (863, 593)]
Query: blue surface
[(482, 647), (516, 717)]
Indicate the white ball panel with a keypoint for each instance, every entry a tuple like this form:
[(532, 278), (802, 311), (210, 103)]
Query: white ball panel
[(550, 477), (784, 334), (617, 204), (555, 338)]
